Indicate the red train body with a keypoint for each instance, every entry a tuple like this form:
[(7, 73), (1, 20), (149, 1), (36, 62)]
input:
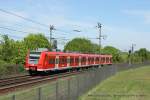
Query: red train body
[(42, 61)]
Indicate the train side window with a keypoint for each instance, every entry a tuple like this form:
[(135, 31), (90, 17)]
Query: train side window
[(52, 61), (97, 59), (92, 60), (57, 60), (76, 60), (62, 60), (107, 60), (89, 59), (104, 59), (83, 60), (111, 60), (68, 60), (71, 60)]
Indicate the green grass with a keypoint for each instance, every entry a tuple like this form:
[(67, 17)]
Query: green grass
[(133, 84)]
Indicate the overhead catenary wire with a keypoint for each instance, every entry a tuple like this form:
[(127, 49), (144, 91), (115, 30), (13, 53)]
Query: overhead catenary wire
[(34, 21), (13, 29), (22, 17), (30, 20), (63, 32)]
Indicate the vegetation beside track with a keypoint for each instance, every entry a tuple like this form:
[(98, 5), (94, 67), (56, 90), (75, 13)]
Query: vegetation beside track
[(133, 84), (13, 52)]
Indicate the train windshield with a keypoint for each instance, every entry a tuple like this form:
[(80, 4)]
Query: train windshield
[(34, 57)]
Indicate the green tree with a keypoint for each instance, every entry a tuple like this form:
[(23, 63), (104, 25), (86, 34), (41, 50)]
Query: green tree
[(7, 48), (116, 53), (143, 54), (81, 45), (33, 41)]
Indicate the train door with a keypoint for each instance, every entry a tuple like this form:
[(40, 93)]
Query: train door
[(97, 60), (71, 61), (62, 62), (51, 62), (83, 60), (77, 61)]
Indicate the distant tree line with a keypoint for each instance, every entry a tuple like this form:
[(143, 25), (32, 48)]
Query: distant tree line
[(83, 45), (14, 51)]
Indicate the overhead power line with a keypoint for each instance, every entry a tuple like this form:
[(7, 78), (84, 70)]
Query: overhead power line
[(36, 22), (22, 17), (13, 29)]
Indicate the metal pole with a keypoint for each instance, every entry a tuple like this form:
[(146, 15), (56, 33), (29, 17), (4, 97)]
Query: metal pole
[(14, 97), (68, 89), (100, 35), (51, 29), (57, 90), (39, 93), (99, 25), (77, 79)]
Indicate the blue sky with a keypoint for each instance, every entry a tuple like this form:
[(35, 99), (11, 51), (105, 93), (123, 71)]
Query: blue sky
[(125, 22)]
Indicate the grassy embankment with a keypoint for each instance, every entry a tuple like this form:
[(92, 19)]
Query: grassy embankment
[(133, 84)]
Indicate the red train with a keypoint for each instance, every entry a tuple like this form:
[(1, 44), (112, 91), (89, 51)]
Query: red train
[(44, 61)]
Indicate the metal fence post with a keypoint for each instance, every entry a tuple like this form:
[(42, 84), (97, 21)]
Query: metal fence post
[(13, 97), (77, 79), (57, 90), (39, 94), (68, 89)]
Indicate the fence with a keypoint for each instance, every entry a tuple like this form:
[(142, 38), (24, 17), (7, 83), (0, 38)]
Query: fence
[(70, 88)]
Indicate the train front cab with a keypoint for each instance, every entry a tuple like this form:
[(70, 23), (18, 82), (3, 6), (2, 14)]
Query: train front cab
[(32, 61)]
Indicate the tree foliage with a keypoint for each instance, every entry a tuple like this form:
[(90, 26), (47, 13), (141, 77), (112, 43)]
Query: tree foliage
[(143, 54), (33, 41), (81, 45), (116, 53), (15, 51)]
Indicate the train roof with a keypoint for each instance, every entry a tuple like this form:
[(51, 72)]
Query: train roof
[(75, 54)]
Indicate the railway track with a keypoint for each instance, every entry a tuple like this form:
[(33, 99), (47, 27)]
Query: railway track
[(12, 84), (11, 80)]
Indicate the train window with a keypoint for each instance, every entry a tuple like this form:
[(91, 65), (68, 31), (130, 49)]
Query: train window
[(107, 59), (62, 60), (83, 60), (76, 60), (68, 60), (110, 59), (97, 59), (89, 59), (103, 59), (92, 60), (52, 61), (71, 60), (57, 60)]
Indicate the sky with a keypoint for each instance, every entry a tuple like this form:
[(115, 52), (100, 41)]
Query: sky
[(124, 22)]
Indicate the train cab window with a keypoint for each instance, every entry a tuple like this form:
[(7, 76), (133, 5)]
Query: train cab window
[(52, 61)]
